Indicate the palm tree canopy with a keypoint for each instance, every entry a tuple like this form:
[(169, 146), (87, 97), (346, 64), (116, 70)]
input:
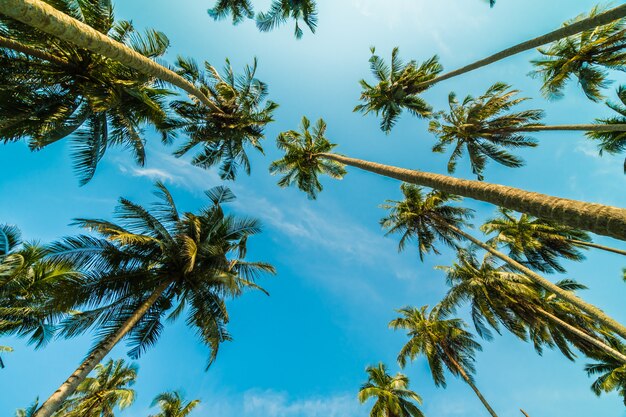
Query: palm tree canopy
[(611, 373), (303, 161), (444, 342), (586, 56), (392, 394), (238, 9), (281, 10), (484, 127), (613, 142), (98, 396), (422, 217), (173, 404), (95, 100), (397, 88), (223, 137), (197, 258), (536, 243)]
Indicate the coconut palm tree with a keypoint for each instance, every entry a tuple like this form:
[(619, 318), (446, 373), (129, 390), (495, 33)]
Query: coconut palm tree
[(611, 372), (223, 137), (238, 9), (585, 56), (281, 10), (613, 142), (444, 342), (397, 88), (392, 393), (538, 243), (100, 103), (4, 349), (98, 396), (172, 404), (155, 263)]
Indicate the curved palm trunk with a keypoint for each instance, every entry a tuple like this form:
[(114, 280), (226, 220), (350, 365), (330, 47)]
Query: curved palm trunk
[(46, 18), (584, 335), (596, 246), (469, 382), (596, 218), (66, 389), (29, 50), (570, 30), (590, 309)]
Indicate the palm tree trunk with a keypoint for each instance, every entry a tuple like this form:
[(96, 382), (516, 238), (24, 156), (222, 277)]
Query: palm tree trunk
[(590, 309), (30, 51), (596, 246), (469, 382), (583, 335), (596, 218), (46, 18), (66, 389), (617, 127), (524, 412), (569, 30)]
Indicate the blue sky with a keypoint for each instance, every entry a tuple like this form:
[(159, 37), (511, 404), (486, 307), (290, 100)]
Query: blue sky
[(302, 351)]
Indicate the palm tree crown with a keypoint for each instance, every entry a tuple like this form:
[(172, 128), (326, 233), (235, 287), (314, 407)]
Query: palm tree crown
[(281, 10), (239, 10), (611, 373), (397, 88), (392, 393), (613, 142), (484, 127), (223, 137), (172, 404)]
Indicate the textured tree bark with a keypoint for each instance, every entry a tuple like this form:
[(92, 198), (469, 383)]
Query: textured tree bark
[(596, 218), (570, 30), (46, 18)]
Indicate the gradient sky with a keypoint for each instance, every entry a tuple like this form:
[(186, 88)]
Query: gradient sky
[(302, 351)]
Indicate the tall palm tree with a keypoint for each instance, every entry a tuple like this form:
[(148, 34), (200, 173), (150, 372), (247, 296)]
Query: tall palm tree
[(613, 142), (444, 342), (585, 56), (98, 396), (486, 126), (172, 404), (539, 243), (224, 136), (156, 263), (238, 9), (392, 393), (611, 372), (4, 349), (98, 102), (281, 10), (308, 153), (397, 88)]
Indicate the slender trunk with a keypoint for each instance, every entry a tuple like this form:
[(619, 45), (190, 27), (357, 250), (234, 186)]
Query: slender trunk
[(524, 412), (66, 389), (569, 30), (596, 246), (469, 382), (46, 18), (596, 218), (590, 309), (583, 335), (30, 51), (617, 127)]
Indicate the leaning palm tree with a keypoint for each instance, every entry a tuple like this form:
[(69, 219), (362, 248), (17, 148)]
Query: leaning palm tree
[(397, 88), (238, 9), (539, 243), (585, 56), (281, 10), (392, 394), (611, 372), (156, 263), (98, 396), (172, 404), (308, 153), (223, 137), (444, 342)]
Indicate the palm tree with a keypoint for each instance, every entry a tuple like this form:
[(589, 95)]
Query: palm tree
[(308, 154), (98, 102), (612, 373), (224, 136), (539, 243), (281, 10), (444, 342), (238, 9), (568, 30), (172, 404), (98, 396), (392, 393), (397, 88), (28, 412), (585, 56), (613, 142), (156, 263), (4, 349)]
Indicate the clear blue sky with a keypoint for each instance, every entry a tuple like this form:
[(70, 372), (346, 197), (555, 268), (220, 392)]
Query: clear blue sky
[(302, 351)]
